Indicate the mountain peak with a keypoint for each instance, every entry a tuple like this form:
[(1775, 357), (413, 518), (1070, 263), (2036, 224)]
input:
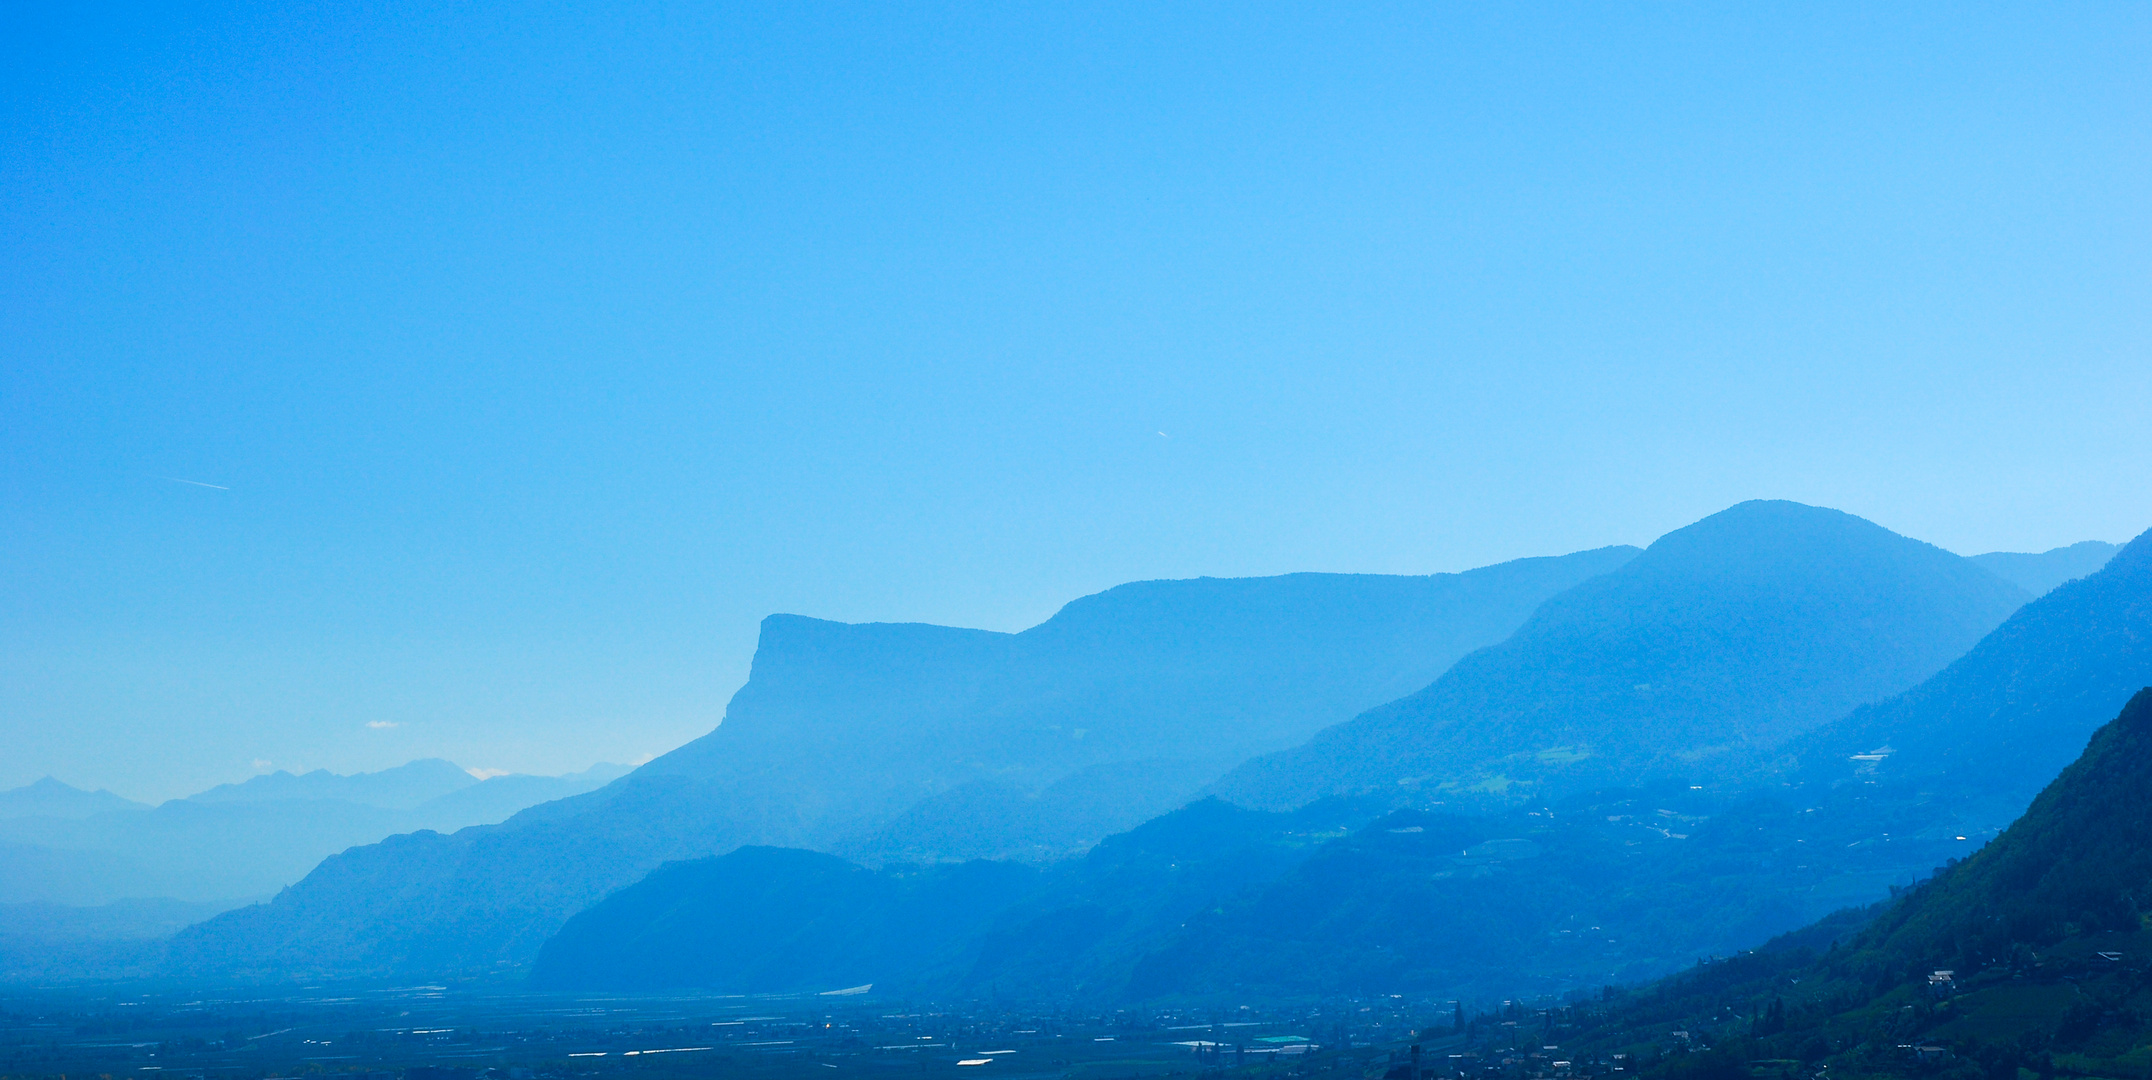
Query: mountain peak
[(54, 798), (1779, 538), (1725, 637)]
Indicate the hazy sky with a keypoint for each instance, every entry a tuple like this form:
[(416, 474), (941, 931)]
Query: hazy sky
[(537, 354)]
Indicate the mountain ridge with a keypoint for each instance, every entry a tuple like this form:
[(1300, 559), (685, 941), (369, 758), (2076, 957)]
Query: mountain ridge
[(2040, 572), (2028, 955), (247, 840), (878, 708), (48, 797), (1725, 638)]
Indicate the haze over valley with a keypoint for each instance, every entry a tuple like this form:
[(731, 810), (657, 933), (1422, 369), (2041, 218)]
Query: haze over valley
[(1169, 787), (1075, 542)]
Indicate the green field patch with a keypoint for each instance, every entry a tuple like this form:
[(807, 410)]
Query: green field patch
[(2006, 1010)]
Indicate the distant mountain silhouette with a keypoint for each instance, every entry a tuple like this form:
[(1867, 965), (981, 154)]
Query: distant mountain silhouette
[(1602, 888), (2039, 573), (2011, 712), (499, 797), (51, 798), (848, 739), (247, 840), (1723, 639), (1426, 902), (1214, 899), (404, 787)]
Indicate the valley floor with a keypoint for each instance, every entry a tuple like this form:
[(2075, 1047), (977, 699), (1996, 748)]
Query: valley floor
[(437, 1033)]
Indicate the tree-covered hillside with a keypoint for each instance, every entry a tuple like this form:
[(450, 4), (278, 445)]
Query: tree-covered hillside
[(2032, 957), (1724, 639)]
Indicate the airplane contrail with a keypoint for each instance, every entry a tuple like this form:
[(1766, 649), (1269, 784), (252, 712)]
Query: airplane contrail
[(197, 483)]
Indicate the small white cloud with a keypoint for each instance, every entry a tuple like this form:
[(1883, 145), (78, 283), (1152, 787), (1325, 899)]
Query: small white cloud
[(487, 774), (382, 725), (263, 764), (644, 760)]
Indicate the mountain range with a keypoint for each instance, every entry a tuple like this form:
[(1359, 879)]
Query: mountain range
[(405, 787), (864, 739), (1611, 883), (50, 798), (959, 812), (1722, 640), (1654, 875), (236, 842)]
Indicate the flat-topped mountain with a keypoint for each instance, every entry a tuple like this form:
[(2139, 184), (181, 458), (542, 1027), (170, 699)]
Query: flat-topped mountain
[(1722, 640), (1579, 890), (857, 738)]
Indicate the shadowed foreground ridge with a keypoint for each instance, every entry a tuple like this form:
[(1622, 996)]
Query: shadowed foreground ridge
[(2008, 714), (2032, 953)]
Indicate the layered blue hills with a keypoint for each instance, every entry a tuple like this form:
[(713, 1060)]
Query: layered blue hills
[(2040, 572), (903, 741), (1760, 622), (1722, 640), (235, 843), (1653, 876), (1767, 715)]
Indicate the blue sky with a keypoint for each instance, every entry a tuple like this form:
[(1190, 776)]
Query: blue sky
[(536, 354)]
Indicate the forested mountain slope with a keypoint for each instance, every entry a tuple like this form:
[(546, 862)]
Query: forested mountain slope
[(1724, 639), (2032, 954)]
